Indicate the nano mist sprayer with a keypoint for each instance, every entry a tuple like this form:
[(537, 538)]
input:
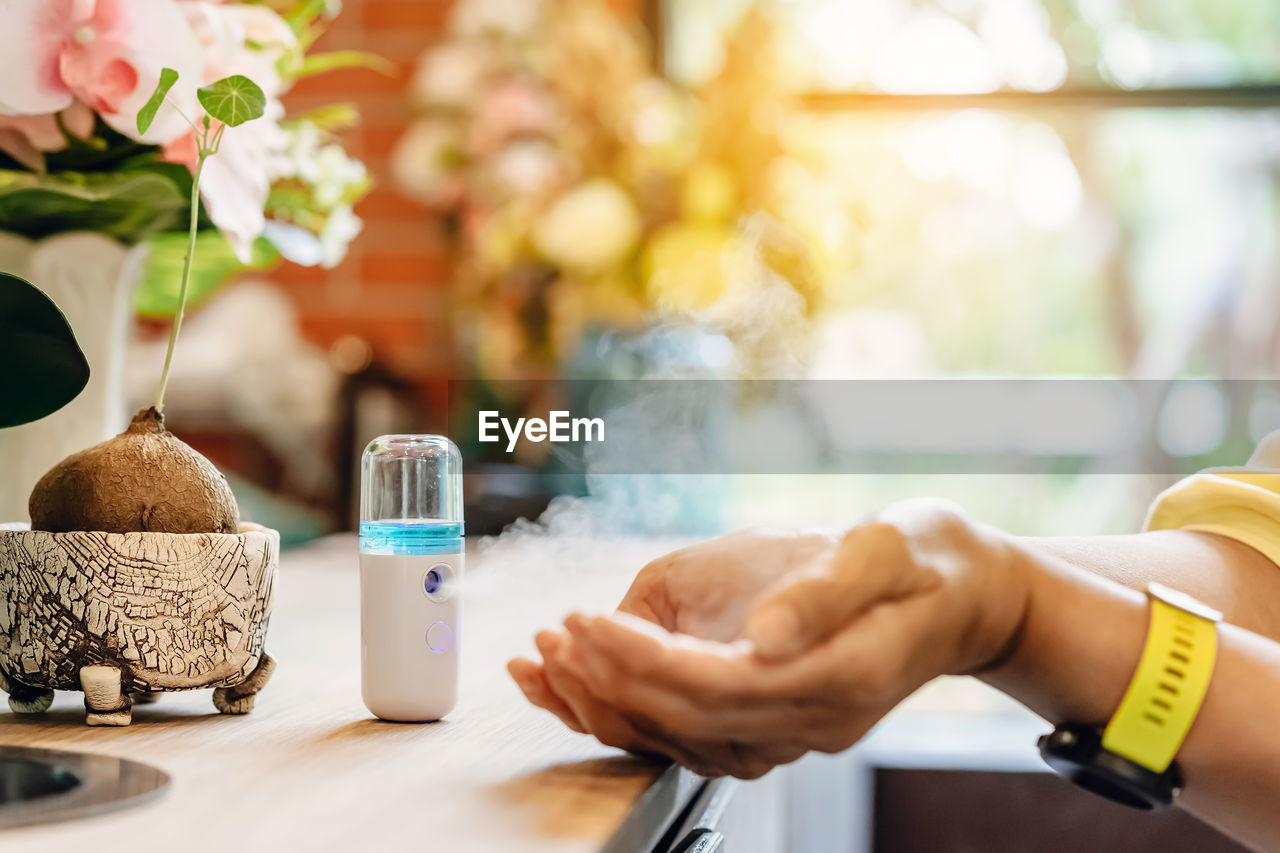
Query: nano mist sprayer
[(411, 556)]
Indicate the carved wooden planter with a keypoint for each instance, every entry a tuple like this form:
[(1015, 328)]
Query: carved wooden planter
[(115, 614)]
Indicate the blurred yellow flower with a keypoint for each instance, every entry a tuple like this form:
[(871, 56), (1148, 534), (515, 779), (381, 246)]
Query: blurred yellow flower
[(500, 239), (710, 192), (684, 266), (590, 228), (584, 191)]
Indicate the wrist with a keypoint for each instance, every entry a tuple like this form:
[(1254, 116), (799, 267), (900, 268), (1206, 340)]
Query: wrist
[(1003, 604), (973, 570), (1077, 645)]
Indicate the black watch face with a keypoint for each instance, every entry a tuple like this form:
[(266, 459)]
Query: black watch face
[(1075, 752)]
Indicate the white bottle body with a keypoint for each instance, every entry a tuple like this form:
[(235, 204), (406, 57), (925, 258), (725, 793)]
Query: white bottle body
[(410, 637)]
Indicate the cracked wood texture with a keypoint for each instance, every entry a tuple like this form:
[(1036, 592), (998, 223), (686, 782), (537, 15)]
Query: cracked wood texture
[(172, 611)]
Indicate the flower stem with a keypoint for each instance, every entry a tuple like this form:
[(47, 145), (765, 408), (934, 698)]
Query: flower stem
[(186, 280)]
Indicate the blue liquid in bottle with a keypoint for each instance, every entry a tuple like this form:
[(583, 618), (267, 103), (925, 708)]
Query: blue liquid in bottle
[(411, 538)]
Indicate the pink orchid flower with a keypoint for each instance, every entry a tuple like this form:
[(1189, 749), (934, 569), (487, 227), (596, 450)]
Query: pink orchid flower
[(105, 53)]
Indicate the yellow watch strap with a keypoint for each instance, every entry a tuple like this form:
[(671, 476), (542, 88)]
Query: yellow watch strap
[(1172, 677)]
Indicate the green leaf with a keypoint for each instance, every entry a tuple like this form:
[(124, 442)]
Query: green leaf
[(101, 152), (147, 114), (289, 202), (306, 12), (318, 63), (233, 100), (127, 204), (330, 118), (214, 264), (44, 367)]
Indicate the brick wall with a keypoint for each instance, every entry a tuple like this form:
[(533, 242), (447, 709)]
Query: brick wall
[(391, 290)]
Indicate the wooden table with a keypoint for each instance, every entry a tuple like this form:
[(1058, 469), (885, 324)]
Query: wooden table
[(310, 769)]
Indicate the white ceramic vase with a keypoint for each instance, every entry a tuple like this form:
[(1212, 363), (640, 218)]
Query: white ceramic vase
[(92, 279)]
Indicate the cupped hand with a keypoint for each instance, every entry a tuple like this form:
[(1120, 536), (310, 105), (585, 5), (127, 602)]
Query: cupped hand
[(707, 590), (916, 592), (704, 590)]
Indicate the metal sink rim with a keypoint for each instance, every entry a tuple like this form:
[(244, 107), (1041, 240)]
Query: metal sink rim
[(107, 783)]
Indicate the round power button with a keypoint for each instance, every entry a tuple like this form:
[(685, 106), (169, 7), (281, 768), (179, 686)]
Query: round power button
[(439, 637)]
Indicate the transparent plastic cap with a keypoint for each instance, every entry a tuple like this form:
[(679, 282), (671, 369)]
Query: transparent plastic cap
[(410, 494)]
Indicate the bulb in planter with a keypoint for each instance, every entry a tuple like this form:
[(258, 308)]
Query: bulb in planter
[(411, 563), (136, 542)]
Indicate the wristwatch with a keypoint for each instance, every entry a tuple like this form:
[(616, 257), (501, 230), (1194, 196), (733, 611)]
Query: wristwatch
[(1131, 761)]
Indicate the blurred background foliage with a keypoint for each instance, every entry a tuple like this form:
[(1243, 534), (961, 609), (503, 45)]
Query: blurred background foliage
[(1114, 236), (1049, 238), (882, 189), (979, 45)]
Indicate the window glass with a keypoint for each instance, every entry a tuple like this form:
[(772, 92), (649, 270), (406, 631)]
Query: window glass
[(981, 45)]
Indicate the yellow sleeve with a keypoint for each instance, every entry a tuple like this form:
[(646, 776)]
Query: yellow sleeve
[(1239, 503)]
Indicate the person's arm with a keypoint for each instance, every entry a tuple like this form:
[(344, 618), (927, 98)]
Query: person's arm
[(1225, 574), (917, 592), (1078, 648)]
